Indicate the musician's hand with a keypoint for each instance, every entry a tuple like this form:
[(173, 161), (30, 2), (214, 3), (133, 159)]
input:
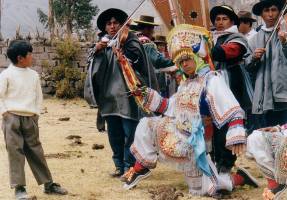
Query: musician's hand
[(136, 93), (237, 149), (270, 129), (258, 53), (101, 45), (282, 36)]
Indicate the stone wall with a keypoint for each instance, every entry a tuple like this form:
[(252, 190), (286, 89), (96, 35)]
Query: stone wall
[(43, 55)]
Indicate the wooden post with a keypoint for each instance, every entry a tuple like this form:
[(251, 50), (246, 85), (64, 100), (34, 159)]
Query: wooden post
[(184, 7)]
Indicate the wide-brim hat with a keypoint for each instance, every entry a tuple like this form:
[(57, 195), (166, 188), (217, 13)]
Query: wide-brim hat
[(120, 15), (147, 20), (224, 9), (245, 15), (160, 39), (258, 7)]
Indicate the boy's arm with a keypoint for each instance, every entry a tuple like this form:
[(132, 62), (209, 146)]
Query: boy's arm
[(3, 90), (39, 96)]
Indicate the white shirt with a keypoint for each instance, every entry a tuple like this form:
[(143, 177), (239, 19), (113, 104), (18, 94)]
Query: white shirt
[(20, 91), (250, 34)]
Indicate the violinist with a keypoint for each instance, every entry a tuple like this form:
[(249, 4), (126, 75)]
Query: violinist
[(108, 85)]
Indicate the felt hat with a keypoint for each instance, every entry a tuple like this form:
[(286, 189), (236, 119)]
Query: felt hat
[(258, 7), (147, 20), (120, 15), (223, 9), (160, 39), (245, 15)]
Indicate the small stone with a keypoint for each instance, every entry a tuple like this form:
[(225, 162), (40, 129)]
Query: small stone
[(64, 119), (98, 146)]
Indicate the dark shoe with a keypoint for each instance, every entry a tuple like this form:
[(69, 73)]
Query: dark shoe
[(117, 173), (248, 178), (54, 188), (135, 177), (280, 192), (20, 193), (224, 170), (125, 176)]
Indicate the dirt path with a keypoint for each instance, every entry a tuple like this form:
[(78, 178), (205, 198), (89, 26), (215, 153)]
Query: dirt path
[(84, 171)]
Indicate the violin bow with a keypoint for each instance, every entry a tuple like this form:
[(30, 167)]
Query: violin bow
[(281, 16), (110, 43)]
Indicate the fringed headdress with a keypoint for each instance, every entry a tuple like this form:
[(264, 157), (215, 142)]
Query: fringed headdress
[(190, 41)]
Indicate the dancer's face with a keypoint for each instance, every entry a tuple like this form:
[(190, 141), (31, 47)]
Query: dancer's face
[(188, 66)]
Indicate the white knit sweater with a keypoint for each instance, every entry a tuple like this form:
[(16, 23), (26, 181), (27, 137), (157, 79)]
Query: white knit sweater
[(20, 91)]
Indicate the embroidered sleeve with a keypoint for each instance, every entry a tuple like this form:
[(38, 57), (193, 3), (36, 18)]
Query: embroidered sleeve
[(224, 109), (236, 132), (154, 102), (221, 102)]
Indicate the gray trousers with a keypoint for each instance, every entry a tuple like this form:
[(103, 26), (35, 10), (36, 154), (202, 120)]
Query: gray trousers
[(22, 140)]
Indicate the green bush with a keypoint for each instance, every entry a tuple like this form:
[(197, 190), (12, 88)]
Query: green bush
[(65, 90), (69, 80), (67, 51)]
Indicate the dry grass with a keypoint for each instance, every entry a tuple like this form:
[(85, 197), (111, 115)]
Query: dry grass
[(84, 171)]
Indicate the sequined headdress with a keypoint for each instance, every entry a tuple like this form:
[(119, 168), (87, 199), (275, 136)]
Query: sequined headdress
[(187, 40)]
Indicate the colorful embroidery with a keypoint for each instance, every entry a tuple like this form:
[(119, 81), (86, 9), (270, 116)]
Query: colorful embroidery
[(227, 116), (167, 140), (281, 163), (146, 163)]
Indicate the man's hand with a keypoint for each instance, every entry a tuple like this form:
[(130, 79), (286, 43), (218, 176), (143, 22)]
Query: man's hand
[(270, 129), (282, 36), (258, 53), (237, 149), (101, 45), (5, 114)]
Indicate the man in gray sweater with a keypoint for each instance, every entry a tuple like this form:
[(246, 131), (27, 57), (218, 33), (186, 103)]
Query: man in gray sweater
[(269, 65)]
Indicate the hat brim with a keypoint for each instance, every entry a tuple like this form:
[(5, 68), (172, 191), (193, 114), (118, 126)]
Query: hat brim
[(258, 7), (221, 10), (144, 22), (247, 19), (160, 42), (106, 15)]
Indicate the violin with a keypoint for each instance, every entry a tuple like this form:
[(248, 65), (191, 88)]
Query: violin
[(123, 34)]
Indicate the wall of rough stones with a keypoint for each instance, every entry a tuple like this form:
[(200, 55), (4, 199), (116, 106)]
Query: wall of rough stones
[(44, 54)]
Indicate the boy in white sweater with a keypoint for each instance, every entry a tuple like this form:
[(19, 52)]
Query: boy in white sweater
[(20, 102)]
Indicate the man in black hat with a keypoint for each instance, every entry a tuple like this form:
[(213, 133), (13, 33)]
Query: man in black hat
[(228, 52), (105, 84), (268, 62), (145, 26), (245, 24)]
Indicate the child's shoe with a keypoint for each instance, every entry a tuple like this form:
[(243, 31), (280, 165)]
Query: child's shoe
[(20, 193)]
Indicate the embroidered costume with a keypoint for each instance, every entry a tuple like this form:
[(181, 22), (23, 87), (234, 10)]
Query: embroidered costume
[(181, 137), (269, 149)]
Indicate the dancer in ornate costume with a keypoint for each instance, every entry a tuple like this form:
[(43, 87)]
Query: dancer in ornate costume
[(268, 146), (182, 135)]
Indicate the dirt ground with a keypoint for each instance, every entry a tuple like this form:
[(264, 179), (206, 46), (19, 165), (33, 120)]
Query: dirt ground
[(85, 172)]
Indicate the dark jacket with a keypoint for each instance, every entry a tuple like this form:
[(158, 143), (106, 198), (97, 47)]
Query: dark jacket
[(105, 83), (233, 70)]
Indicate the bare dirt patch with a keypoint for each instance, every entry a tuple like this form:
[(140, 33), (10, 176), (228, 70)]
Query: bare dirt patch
[(85, 172)]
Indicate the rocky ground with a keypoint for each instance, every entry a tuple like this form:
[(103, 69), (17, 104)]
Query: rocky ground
[(80, 160)]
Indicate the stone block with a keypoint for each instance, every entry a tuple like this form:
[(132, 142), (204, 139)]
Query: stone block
[(44, 56), (52, 56), (38, 49), (4, 50), (50, 49)]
